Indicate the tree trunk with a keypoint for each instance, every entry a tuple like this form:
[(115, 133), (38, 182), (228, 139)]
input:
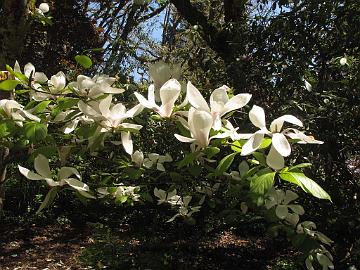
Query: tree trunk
[(14, 25)]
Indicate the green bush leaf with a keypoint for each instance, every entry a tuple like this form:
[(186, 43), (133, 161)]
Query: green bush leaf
[(7, 127), (307, 184), (84, 61), (225, 163), (261, 184), (35, 132), (8, 85)]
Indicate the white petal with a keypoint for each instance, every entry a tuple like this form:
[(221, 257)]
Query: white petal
[(86, 109), (65, 172), (281, 144), (57, 81), (143, 101), (41, 165), (76, 184), (131, 126), (257, 117), (17, 67), (70, 127), (44, 7), (195, 98), (134, 111), (184, 139), (104, 106), (278, 123), (151, 94), (169, 93), (236, 102), (252, 144), (274, 159), (218, 99), (127, 142), (217, 122), (29, 174), (40, 77), (30, 116), (200, 123), (29, 69)]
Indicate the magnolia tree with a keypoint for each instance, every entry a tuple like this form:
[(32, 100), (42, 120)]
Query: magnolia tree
[(89, 115)]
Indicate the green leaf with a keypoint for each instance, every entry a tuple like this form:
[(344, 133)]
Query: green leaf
[(265, 143), (225, 163), (41, 106), (236, 146), (84, 61), (8, 85), (35, 132), (7, 127), (211, 151), (188, 159), (307, 184), (299, 166), (261, 184), (50, 197)]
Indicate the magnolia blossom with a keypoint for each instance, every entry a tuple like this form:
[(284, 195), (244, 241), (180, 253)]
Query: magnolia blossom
[(30, 73), (220, 104), (138, 158), (111, 116), (94, 87), (169, 93), (280, 147), (43, 8), (154, 158), (199, 125), (13, 110), (41, 165)]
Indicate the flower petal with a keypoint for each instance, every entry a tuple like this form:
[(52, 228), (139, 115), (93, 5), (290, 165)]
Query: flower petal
[(281, 144), (200, 123), (278, 123), (65, 172), (127, 142), (236, 102), (104, 106), (169, 93), (76, 184), (218, 99), (252, 144), (134, 111), (257, 117), (151, 94), (184, 139), (41, 165), (143, 101), (195, 98), (274, 159), (29, 69), (29, 174)]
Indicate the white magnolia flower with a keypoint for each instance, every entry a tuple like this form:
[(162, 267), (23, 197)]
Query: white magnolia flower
[(280, 146), (57, 82), (10, 109), (138, 158), (220, 104), (42, 9), (169, 93), (30, 73), (112, 116), (199, 125), (343, 61), (66, 175), (94, 87)]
